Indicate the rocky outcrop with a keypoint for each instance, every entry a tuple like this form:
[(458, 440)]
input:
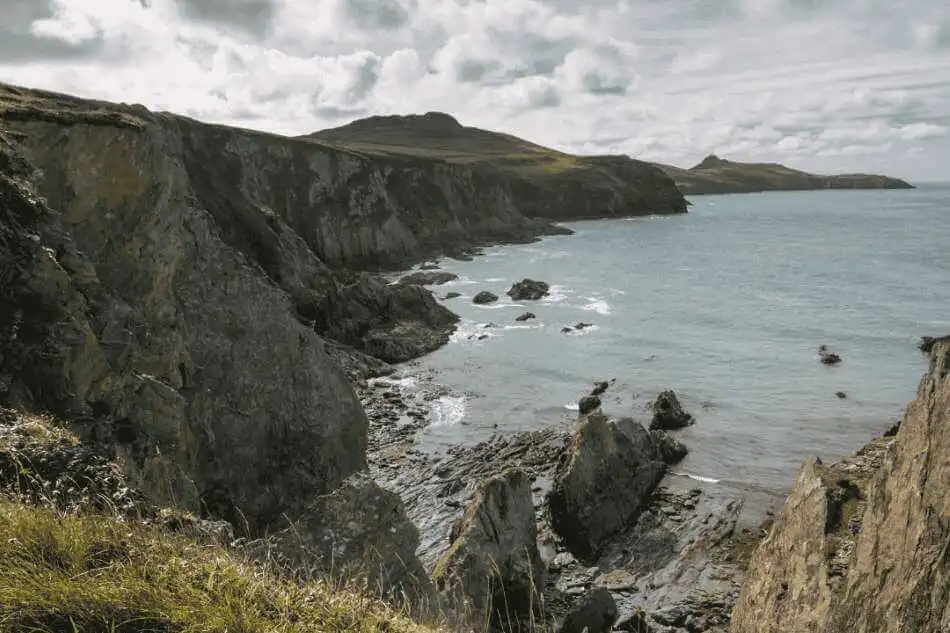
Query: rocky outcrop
[(717, 175), (613, 468), (428, 278), (926, 344), (484, 297), (528, 290), (861, 545), (493, 563), (668, 413)]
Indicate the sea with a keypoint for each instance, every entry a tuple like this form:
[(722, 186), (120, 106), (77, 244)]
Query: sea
[(727, 306)]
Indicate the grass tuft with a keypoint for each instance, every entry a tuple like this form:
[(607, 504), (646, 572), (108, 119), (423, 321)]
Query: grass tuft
[(61, 573)]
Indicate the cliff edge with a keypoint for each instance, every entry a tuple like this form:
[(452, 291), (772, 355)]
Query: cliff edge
[(862, 546), (717, 175)]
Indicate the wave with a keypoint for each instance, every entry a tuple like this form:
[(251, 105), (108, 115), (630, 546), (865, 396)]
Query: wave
[(556, 294), (572, 406), (404, 382), (598, 305), (583, 331), (708, 480), (447, 410)]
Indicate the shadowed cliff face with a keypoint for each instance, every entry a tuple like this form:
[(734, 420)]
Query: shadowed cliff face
[(716, 175), (863, 546)]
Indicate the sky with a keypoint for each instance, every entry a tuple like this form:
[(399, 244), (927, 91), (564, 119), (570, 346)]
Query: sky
[(824, 85)]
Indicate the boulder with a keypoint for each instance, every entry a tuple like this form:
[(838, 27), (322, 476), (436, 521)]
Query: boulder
[(526, 317), (452, 295), (600, 388), (827, 356), (613, 468), (668, 414), (428, 278), (528, 289), (484, 297), (672, 451), (493, 563), (588, 404), (595, 612)]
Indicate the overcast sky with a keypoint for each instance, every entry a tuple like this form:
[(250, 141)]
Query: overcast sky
[(826, 85)]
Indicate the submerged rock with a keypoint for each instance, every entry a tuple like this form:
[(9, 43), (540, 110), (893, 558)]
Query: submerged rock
[(484, 297), (452, 295), (612, 470), (668, 413), (828, 357), (528, 289), (428, 278), (494, 563), (527, 316)]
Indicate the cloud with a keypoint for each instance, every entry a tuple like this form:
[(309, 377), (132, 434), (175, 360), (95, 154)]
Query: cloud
[(836, 85)]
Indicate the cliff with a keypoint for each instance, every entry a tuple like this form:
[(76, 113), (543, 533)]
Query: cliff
[(862, 546), (717, 175), (543, 183)]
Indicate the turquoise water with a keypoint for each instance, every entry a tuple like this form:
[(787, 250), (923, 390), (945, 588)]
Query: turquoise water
[(727, 306)]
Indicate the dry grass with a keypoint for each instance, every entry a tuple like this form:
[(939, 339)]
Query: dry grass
[(97, 573)]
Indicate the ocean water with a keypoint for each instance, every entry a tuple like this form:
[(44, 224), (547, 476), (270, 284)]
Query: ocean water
[(727, 306)]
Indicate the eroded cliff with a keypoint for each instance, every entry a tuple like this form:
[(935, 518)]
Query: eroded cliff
[(863, 546)]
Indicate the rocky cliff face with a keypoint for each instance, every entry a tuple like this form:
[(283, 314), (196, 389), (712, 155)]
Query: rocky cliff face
[(863, 546)]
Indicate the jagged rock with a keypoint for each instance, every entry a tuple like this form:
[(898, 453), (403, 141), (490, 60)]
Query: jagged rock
[(595, 612), (672, 450), (668, 413), (613, 468), (493, 562), (527, 316), (927, 343), (860, 546), (428, 278), (484, 297), (588, 404), (358, 531), (528, 289)]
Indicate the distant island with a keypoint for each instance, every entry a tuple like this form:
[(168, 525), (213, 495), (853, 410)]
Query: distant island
[(717, 175)]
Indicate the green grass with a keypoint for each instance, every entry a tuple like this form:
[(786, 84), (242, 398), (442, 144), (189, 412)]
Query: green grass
[(97, 573)]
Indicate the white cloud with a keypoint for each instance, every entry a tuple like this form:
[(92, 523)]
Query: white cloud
[(842, 85)]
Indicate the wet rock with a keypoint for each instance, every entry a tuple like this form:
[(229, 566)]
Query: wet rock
[(828, 357), (671, 449), (576, 327), (452, 295), (600, 388), (493, 562), (841, 395), (484, 297), (428, 278), (588, 404), (526, 317), (668, 413), (528, 289), (596, 612), (613, 468)]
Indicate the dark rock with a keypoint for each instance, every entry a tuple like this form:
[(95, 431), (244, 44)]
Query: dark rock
[(927, 343), (588, 404), (494, 562), (452, 295), (582, 325), (428, 278), (600, 388), (828, 357), (565, 330), (526, 316), (612, 470), (595, 612), (671, 449), (528, 289), (668, 414), (841, 395), (484, 297)]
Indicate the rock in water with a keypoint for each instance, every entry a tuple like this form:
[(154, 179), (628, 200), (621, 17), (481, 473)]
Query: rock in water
[(526, 317), (528, 289), (612, 470), (600, 388), (671, 449), (668, 413), (453, 295), (428, 278), (596, 612), (828, 357), (588, 404), (494, 562), (484, 297)]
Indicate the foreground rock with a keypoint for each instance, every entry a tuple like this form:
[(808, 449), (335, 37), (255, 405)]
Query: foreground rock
[(428, 278), (596, 612), (484, 297), (528, 290), (861, 545), (668, 413), (493, 563), (717, 175), (613, 469)]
